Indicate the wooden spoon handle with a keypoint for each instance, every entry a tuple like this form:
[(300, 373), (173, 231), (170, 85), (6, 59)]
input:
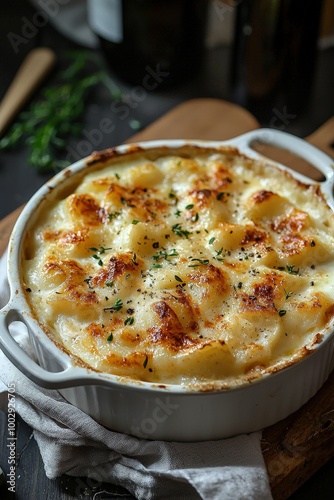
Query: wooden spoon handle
[(33, 70)]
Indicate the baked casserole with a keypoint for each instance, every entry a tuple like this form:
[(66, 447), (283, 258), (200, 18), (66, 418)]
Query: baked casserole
[(191, 266)]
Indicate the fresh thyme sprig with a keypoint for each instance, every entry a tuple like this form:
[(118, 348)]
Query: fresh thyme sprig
[(116, 307), (179, 231), (56, 116)]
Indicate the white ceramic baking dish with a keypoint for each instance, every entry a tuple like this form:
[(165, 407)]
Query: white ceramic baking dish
[(155, 411)]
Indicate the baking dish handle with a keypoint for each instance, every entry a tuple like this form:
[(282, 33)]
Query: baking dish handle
[(289, 142), (29, 367)]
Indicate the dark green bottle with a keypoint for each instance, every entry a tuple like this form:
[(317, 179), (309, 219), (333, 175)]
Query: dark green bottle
[(274, 54), (154, 41)]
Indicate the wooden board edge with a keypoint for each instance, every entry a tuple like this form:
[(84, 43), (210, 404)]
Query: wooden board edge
[(298, 446)]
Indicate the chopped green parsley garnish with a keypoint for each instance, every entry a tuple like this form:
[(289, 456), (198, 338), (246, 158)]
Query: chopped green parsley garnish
[(173, 196), (199, 262), (291, 270), (162, 254), (179, 231), (113, 215), (100, 251), (116, 307)]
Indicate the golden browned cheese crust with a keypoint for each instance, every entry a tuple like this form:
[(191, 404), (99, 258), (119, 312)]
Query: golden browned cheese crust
[(185, 267)]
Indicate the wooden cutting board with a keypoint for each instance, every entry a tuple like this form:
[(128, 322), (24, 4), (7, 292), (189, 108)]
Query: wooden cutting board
[(299, 445)]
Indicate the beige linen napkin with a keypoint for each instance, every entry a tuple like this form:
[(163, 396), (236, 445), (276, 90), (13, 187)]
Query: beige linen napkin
[(72, 443)]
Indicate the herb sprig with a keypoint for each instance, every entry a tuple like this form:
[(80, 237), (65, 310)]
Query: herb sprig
[(179, 231), (56, 115), (116, 307), (163, 255)]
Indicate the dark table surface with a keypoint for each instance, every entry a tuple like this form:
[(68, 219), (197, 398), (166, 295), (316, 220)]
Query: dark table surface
[(18, 181)]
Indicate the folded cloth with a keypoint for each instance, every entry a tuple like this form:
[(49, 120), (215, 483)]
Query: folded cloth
[(72, 443)]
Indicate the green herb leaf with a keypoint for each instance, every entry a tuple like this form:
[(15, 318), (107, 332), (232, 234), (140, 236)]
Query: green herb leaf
[(116, 307), (99, 261), (103, 249), (162, 254), (179, 231), (201, 262), (173, 196), (113, 215), (135, 124), (100, 251), (291, 270)]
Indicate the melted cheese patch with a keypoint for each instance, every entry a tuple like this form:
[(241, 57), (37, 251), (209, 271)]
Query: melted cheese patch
[(189, 267)]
